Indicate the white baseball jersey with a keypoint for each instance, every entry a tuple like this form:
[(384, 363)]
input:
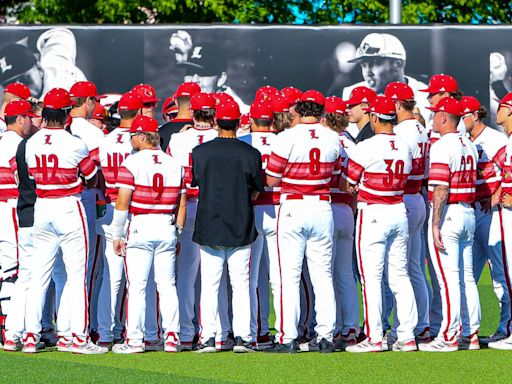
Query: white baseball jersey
[(181, 146), (337, 196), (453, 163), (305, 158), (380, 166), (491, 147), (3, 126), (506, 183), (156, 180), (9, 141), (54, 159), (262, 141), (415, 135), (116, 147), (90, 135)]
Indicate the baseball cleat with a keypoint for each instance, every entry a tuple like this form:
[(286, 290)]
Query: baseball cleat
[(439, 345), (153, 345), (49, 337), (172, 343), (263, 342), (242, 346), (31, 344), (405, 346), (424, 337), (105, 344), (325, 346), (502, 345), (207, 347), (127, 349), (87, 348), (340, 341), (470, 343), (187, 346), (365, 346), (291, 347), (311, 346), (12, 345), (64, 344), (225, 345), (493, 338)]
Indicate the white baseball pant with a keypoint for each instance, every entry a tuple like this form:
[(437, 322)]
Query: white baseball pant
[(110, 301), (151, 244), (416, 212), (212, 266), (454, 270), (305, 228), (381, 246), (265, 218), (59, 222), (488, 246), (345, 284), (307, 321)]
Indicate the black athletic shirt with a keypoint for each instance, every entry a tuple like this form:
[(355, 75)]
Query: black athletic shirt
[(169, 129), (226, 172), (364, 133), (26, 188)]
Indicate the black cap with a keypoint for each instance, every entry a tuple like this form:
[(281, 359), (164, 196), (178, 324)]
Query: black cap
[(15, 59), (205, 59)]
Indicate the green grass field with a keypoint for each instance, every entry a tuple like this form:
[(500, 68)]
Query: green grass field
[(464, 366)]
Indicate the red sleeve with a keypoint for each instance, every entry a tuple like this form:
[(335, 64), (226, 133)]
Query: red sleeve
[(125, 178), (13, 164), (353, 172), (87, 167), (499, 158), (276, 165), (338, 165), (439, 174), (95, 155)]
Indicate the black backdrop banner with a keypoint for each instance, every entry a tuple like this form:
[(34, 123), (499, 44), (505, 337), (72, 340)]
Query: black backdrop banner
[(240, 59)]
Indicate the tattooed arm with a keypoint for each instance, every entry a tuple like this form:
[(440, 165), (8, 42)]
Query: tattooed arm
[(439, 200)]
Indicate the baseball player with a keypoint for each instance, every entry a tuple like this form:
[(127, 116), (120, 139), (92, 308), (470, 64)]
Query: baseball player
[(13, 91), (151, 187), (85, 96), (303, 160), (55, 158), (148, 95), (292, 95), (487, 246), (360, 99), (452, 181), (415, 135), (379, 167), (115, 148), (265, 214), (504, 119), (345, 285), (180, 148), (18, 115)]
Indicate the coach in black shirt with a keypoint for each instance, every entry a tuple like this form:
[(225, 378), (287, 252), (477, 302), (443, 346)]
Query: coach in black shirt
[(228, 174)]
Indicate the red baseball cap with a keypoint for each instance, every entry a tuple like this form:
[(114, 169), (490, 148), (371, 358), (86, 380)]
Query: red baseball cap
[(335, 104), (19, 107), (244, 120), (361, 95), (469, 104), (100, 112), (314, 96), (398, 91), (143, 123), (441, 83), (261, 110), (227, 111), (169, 106), (201, 101), (265, 92), (292, 94), (57, 98), (448, 105), (130, 101), (506, 101), (147, 92), (188, 89), (18, 89), (84, 89), (383, 107), (280, 104), (223, 97)]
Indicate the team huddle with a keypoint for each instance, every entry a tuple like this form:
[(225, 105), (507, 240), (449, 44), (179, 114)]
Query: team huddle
[(97, 212)]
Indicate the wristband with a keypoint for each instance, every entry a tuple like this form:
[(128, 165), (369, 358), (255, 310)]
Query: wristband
[(118, 223)]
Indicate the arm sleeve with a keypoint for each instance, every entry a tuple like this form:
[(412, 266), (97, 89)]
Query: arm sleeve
[(439, 167), (281, 148)]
